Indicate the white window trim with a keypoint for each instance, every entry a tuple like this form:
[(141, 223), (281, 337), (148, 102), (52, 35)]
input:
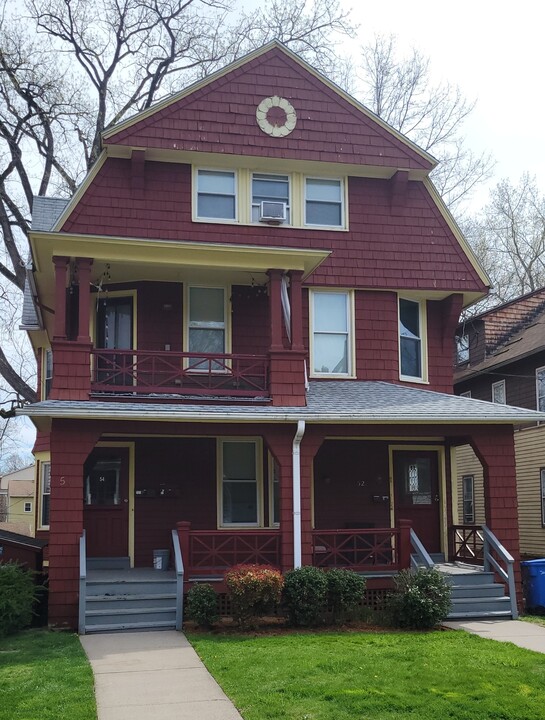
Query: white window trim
[(259, 481), (350, 305), (344, 203), (423, 324), (499, 384), (195, 195), (29, 503), (41, 465), (289, 176), (459, 339), (464, 478), (538, 371), (227, 316), (45, 352), (542, 494), (466, 394)]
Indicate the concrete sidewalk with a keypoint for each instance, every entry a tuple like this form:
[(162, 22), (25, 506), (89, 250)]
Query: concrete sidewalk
[(156, 675), (524, 634)]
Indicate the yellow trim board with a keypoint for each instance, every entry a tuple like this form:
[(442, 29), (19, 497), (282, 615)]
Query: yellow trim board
[(80, 192)]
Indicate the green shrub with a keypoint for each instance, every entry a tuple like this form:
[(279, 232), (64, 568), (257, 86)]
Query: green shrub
[(344, 592), (305, 595), (254, 590), (202, 604), (17, 595), (421, 600)]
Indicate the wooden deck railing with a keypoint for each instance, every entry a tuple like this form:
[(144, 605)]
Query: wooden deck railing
[(467, 542), (386, 549), (165, 372)]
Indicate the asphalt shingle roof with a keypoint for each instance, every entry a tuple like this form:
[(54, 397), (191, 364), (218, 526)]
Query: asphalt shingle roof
[(340, 401), (46, 211)]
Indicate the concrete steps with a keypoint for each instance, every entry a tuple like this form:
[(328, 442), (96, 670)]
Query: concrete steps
[(118, 598)]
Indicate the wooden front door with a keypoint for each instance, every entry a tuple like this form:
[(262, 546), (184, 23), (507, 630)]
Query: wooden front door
[(416, 494), (106, 502)]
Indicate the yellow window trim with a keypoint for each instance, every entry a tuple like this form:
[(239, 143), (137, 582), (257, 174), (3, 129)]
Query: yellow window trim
[(42, 458), (351, 374), (227, 315)]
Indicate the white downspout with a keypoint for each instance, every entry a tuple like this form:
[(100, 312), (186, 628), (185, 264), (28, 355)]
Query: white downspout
[(296, 458)]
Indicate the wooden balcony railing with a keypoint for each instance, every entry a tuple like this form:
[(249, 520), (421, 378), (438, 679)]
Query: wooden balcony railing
[(386, 549), (208, 552), (165, 372), (467, 544)]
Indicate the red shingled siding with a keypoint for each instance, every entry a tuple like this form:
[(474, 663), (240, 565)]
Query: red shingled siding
[(220, 117), (250, 321), (413, 248), (159, 326)]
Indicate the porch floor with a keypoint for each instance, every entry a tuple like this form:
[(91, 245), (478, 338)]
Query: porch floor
[(458, 568), (130, 574)]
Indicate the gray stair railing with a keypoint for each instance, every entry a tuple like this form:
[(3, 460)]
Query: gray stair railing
[(507, 573), (179, 566), (82, 584), (420, 557)]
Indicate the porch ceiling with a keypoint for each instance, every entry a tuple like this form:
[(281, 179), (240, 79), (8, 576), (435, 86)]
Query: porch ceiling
[(327, 402)]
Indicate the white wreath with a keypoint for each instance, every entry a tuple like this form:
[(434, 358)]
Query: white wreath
[(276, 130)]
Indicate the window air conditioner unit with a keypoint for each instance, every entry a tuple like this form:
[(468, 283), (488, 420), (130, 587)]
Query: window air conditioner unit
[(272, 212)]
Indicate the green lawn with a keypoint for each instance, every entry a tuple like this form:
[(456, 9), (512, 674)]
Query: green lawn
[(536, 619), (45, 676), (376, 676)]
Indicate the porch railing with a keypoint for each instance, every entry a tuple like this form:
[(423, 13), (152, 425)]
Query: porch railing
[(179, 568), (420, 557), (468, 544), (502, 562), (386, 549), (82, 584), (144, 371), (210, 552)]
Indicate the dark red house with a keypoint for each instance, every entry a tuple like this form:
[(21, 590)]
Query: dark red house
[(254, 295)]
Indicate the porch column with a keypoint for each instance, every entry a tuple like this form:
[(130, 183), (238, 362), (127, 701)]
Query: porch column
[(71, 444), (61, 268), (275, 309), (84, 280), (296, 303), (312, 442), (495, 449)]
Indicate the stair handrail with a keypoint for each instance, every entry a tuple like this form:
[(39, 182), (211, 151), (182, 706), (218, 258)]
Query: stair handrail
[(422, 555), (508, 573), (82, 583), (179, 567)]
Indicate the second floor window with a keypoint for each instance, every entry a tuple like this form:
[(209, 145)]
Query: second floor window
[(216, 194), (410, 339), (48, 372), (206, 324), (331, 333), (323, 202), (462, 349), (540, 389), (269, 188), (498, 392), (45, 485)]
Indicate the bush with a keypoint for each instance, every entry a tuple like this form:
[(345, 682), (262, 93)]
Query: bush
[(202, 604), (305, 595), (254, 589), (421, 600), (344, 592), (17, 596)]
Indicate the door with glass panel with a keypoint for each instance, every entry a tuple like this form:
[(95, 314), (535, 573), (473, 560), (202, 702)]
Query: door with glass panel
[(115, 332), (416, 494), (106, 503)]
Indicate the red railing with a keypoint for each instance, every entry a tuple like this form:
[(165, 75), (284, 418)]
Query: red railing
[(467, 544), (143, 371), (372, 550), (214, 551)]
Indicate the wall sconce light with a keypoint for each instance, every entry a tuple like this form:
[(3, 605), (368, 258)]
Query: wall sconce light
[(167, 307)]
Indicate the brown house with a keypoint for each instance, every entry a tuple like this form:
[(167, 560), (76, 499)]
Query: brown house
[(255, 292)]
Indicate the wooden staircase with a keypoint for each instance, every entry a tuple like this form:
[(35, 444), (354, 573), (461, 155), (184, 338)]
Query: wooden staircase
[(475, 594), (120, 598)]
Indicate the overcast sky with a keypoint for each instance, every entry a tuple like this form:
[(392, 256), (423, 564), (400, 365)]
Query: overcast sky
[(495, 52)]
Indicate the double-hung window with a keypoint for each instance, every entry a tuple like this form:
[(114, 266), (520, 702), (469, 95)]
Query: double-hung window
[(331, 333), (206, 326), (411, 349), (462, 349), (540, 389), (240, 493), (498, 392), (45, 486), (216, 194), (468, 494), (324, 202), (270, 188), (48, 372)]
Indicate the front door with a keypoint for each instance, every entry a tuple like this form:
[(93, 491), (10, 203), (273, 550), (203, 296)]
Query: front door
[(106, 503), (416, 494)]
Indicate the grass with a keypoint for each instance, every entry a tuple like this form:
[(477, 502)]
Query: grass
[(536, 619), (45, 676), (376, 676)]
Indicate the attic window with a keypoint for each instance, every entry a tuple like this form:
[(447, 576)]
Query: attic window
[(462, 349)]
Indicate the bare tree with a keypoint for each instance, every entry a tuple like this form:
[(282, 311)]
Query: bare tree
[(400, 91), (71, 69), (509, 238)]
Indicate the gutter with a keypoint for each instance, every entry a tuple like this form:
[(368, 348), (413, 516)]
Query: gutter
[(296, 469)]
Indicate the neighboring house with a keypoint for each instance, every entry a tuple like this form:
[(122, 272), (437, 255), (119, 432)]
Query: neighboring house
[(17, 502), (255, 292), (501, 358)]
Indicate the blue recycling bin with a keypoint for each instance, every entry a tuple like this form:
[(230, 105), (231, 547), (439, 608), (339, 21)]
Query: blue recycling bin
[(533, 577)]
